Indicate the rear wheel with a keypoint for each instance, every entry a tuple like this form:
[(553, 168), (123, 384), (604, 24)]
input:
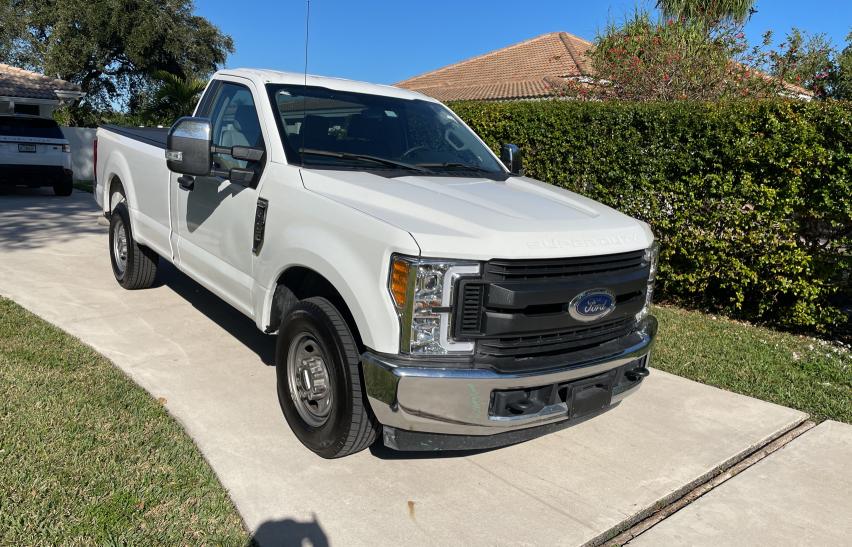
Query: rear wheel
[(319, 381), (134, 265), (63, 187)]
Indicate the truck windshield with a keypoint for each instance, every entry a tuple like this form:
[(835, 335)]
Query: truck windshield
[(325, 128)]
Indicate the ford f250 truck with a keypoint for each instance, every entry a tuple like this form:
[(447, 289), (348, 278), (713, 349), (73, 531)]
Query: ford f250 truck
[(423, 291)]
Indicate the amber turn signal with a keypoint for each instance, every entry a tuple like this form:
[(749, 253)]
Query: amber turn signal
[(399, 281)]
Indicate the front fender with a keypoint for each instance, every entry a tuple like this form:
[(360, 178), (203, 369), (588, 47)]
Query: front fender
[(348, 248)]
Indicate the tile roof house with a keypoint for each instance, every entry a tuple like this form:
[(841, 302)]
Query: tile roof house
[(527, 70), (532, 69), (26, 92)]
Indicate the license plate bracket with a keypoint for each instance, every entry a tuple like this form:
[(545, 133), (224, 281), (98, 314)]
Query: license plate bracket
[(27, 148), (591, 395)]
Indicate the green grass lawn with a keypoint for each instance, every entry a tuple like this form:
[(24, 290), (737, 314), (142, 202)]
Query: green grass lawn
[(810, 375), (84, 185), (87, 457)]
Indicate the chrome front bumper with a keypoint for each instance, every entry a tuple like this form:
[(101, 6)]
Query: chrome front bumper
[(435, 399)]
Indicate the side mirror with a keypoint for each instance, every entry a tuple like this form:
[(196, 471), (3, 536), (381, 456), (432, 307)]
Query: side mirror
[(510, 155), (188, 147)]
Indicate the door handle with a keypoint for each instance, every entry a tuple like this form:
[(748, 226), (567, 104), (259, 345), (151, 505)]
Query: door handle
[(186, 182)]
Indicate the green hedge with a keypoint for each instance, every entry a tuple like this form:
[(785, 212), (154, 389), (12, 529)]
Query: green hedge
[(751, 200)]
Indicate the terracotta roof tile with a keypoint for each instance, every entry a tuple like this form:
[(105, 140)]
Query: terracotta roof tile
[(519, 71), (17, 82), (526, 70)]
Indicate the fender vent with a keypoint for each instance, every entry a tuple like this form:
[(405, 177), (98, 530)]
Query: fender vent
[(259, 225)]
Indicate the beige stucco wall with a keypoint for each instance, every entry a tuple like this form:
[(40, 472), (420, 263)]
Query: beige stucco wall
[(46, 108), (82, 151)]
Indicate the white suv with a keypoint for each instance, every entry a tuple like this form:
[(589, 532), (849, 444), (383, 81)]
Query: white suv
[(33, 153)]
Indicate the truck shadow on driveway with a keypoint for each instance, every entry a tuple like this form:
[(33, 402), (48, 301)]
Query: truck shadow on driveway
[(287, 532), (33, 218), (217, 310)]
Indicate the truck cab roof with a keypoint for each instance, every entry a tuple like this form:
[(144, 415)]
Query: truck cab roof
[(265, 76)]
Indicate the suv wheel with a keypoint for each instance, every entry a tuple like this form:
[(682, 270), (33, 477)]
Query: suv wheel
[(64, 187)]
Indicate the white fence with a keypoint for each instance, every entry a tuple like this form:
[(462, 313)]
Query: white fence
[(82, 151)]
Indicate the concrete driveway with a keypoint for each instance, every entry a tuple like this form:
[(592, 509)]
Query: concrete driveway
[(801, 495), (214, 370)]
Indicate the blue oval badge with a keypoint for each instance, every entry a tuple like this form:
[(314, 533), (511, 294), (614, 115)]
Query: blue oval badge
[(592, 305)]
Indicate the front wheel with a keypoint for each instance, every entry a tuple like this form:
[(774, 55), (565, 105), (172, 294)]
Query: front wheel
[(319, 381)]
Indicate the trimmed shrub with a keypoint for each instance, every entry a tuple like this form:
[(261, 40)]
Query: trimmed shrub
[(751, 200)]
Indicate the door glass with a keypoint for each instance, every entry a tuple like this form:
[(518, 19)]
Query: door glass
[(235, 123)]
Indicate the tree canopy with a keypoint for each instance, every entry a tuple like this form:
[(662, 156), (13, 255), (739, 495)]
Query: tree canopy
[(112, 48), (710, 11), (649, 59), (813, 62), (843, 80), (175, 97), (698, 50)]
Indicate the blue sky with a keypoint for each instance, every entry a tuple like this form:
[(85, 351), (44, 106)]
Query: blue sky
[(387, 41)]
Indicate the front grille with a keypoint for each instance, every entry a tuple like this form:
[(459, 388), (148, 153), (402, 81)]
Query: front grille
[(502, 270), (555, 342), (531, 326)]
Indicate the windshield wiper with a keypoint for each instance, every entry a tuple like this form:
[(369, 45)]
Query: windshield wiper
[(363, 157), (457, 165)]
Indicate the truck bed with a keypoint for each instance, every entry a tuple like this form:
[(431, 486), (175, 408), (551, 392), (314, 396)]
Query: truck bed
[(136, 156), (155, 136)]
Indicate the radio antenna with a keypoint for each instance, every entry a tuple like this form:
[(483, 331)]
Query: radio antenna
[(307, 31), (305, 82)]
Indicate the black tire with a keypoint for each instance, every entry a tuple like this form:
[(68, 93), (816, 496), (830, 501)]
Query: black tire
[(350, 425), (140, 263), (63, 187)]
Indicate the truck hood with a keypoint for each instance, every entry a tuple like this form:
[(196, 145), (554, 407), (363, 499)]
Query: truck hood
[(481, 219)]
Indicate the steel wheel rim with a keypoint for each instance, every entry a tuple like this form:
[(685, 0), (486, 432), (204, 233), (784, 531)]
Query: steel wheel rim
[(308, 380), (119, 246)]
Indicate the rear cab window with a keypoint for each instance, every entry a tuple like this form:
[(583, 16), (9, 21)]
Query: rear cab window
[(12, 126)]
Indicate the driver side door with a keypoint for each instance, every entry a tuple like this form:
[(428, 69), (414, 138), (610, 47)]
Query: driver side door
[(215, 218)]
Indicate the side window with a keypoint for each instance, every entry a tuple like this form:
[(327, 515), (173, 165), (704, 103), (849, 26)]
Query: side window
[(235, 122)]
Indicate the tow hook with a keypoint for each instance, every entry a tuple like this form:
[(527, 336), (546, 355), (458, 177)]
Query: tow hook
[(637, 374)]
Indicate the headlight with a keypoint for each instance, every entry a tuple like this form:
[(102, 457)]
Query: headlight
[(422, 291), (66, 148), (652, 255)]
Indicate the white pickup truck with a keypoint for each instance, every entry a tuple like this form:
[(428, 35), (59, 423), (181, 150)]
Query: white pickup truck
[(423, 291)]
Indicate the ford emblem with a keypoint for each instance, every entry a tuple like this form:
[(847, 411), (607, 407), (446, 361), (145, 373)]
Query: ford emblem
[(592, 305)]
